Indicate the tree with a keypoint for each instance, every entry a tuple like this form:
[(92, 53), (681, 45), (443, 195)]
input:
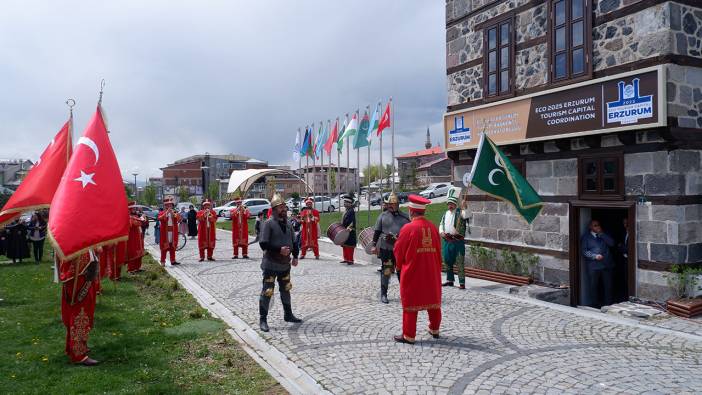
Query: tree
[(332, 180), (183, 193), (128, 192), (148, 196), (213, 191)]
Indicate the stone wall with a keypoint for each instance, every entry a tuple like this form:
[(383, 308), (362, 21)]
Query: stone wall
[(667, 28), (684, 88), (664, 29), (670, 234), (663, 173)]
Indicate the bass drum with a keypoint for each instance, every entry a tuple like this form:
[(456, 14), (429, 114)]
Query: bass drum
[(366, 239), (337, 233)]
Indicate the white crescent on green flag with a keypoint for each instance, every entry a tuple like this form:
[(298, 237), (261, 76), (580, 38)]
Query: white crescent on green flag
[(494, 174), (361, 139)]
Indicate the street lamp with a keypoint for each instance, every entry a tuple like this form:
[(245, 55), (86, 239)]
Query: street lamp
[(204, 166), (136, 192)]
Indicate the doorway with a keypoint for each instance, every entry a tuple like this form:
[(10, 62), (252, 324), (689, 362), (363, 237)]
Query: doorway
[(618, 221)]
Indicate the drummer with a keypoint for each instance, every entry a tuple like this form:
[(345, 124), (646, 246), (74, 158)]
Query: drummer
[(386, 229), (349, 222)]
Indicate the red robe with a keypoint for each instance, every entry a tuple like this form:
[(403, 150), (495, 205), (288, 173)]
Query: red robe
[(240, 226), (135, 244), (164, 230), (206, 230), (310, 231), (418, 256), (77, 305)]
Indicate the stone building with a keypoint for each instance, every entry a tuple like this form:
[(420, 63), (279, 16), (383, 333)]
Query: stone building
[(13, 171), (317, 177), (437, 170), (408, 165), (599, 104)]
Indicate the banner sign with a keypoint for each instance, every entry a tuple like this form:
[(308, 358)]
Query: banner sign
[(622, 102)]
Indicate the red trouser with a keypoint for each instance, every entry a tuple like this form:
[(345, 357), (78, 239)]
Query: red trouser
[(134, 265), (210, 251), (348, 253), (409, 323), (313, 247), (170, 250), (244, 249), (78, 318)]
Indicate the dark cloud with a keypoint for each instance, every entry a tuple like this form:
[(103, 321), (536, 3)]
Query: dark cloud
[(217, 76)]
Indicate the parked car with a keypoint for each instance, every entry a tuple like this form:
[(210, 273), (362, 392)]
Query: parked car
[(434, 190), (291, 203), (255, 206), (223, 211), (403, 197), (149, 212)]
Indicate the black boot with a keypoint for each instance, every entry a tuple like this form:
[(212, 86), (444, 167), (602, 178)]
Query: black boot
[(263, 304), (289, 317), (383, 289)]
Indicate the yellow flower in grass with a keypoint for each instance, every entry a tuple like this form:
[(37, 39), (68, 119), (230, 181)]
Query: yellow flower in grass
[(18, 355), (45, 359)]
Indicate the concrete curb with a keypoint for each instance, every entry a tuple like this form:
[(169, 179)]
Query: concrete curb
[(289, 375)]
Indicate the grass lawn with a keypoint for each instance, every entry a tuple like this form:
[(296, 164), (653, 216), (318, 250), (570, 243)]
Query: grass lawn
[(150, 335), (433, 213)]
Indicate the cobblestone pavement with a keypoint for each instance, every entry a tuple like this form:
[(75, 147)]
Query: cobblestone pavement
[(489, 343)]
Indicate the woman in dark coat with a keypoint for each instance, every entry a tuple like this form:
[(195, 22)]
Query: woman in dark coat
[(17, 246), (192, 222), (349, 222)]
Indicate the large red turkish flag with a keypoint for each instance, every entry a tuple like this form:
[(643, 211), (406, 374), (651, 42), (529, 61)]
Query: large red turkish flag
[(38, 187), (90, 205)]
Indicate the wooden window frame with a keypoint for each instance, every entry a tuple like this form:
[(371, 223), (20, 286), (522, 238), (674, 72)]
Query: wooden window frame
[(511, 50), (600, 194), (586, 46)]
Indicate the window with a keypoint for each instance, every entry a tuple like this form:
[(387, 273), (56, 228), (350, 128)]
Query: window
[(498, 51), (570, 39), (601, 176)]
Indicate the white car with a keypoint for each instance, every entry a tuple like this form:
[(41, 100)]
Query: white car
[(323, 204), (255, 206), (223, 211), (434, 190)]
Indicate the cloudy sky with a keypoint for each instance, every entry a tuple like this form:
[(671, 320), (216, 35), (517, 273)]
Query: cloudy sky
[(184, 78)]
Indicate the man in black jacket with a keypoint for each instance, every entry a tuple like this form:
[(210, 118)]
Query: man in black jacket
[(277, 240), (599, 263)]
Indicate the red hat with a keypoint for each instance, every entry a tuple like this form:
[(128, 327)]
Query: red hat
[(309, 200), (418, 203), (131, 203), (237, 200), (207, 201)]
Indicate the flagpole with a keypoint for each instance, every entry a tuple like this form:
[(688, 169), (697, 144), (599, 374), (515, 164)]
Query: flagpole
[(69, 145), (368, 177), (299, 165), (307, 166), (358, 158), (392, 141), (338, 167), (329, 191), (380, 172), (348, 160)]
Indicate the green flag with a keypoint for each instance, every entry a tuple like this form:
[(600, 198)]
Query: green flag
[(361, 139), (495, 175)]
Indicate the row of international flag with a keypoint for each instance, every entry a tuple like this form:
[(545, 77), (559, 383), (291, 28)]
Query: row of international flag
[(361, 132)]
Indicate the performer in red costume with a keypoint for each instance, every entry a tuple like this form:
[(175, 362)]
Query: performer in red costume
[(168, 223), (240, 229), (78, 293), (310, 229), (135, 244), (206, 231), (418, 255)]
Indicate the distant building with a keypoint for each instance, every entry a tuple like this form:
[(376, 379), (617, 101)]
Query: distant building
[(317, 178), (408, 166), (438, 170), (197, 172), (13, 171), (157, 182)]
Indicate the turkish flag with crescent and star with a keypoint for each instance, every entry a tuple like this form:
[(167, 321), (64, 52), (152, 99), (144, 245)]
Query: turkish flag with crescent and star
[(38, 187), (90, 205)]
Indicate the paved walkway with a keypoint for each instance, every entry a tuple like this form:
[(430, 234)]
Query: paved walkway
[(491, 343)]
